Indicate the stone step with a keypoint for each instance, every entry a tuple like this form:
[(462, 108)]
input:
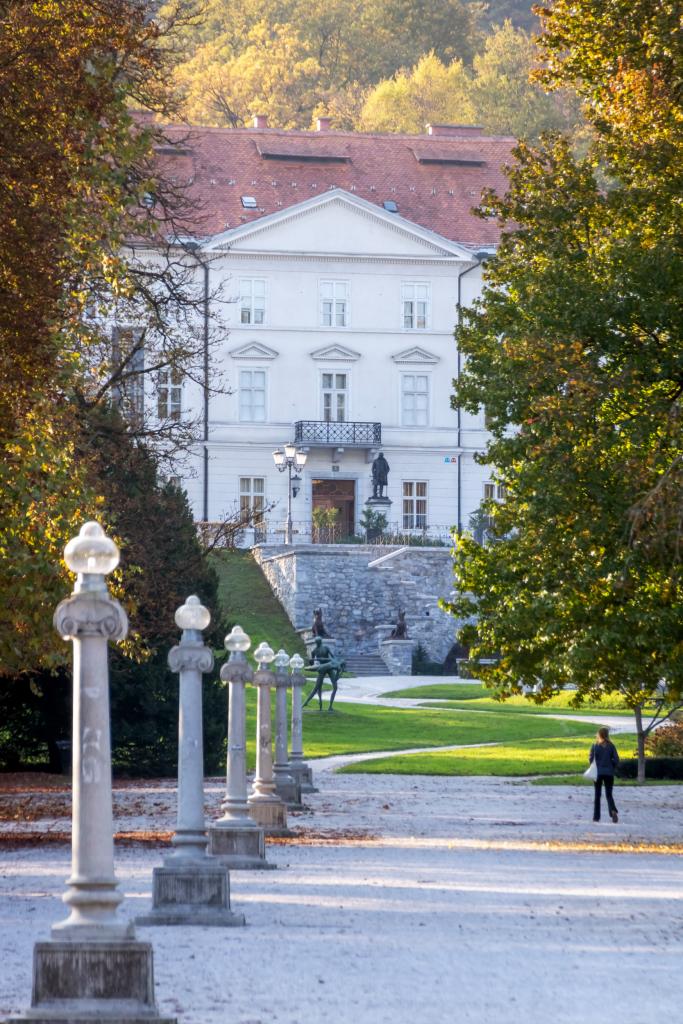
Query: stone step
[(366, 665)]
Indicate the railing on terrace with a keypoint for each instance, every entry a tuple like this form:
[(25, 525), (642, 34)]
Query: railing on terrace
[(272, 531), (362, 435)]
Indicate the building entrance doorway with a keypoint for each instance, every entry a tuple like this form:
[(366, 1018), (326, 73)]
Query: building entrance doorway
[(329, 495)]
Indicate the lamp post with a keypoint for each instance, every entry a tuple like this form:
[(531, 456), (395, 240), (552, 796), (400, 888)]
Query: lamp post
[(235, 837), (297, 766), (191, 888), (288, 458), (286, 786), (265, 806), (92, 969)]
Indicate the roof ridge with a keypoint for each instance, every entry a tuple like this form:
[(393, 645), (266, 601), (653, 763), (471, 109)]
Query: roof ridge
[(311, 133)]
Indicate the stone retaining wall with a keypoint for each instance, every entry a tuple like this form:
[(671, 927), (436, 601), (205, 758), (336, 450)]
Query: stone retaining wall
[(360, 587)]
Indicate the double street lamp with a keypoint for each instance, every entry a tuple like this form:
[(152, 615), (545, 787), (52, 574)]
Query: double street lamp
[(288, 458)]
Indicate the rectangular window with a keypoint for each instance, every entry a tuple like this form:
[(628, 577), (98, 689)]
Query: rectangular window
[(334, 303), (414, 504), (252, 396), (169, 394), (252, 498), (494, 492), (414, 400), (128, 355), (415, 299), (252, 300), (335, 397)]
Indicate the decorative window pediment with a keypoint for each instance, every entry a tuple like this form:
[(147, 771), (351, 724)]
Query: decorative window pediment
[(254, 350), (415, 356), (335, 354)]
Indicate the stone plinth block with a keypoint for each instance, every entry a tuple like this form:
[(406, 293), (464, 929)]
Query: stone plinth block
[(240, 848), (92, 983), (304, 776), (270, 815), (194, 893), (397, 655), (289, 791)]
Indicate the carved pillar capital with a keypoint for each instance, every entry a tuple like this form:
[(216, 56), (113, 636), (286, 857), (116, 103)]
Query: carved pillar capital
[(190, 656), (90, 614)]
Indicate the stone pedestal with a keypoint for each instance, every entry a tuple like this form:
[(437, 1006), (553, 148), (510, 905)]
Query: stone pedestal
[(195, 893), (265, 806), (93, 983), (93, 970), (397, 655), (191, 888), (298, 768), (241, 847), (235, 839), (286, 786)]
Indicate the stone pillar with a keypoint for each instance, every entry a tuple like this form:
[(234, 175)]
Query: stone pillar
[(191, 887), (235, 838), (286, 787), (92, 970), (265, 806), (397, 655), (298, 768)]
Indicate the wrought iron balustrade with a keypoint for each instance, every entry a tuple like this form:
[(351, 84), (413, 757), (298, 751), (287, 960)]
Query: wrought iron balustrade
[(362, 435)]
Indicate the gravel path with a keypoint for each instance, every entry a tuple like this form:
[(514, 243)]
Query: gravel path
[(403, 899)]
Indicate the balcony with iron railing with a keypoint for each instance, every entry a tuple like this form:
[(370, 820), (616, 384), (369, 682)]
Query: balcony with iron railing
[(353, 434)]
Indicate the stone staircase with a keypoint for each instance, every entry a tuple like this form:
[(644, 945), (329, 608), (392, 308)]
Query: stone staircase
[(366, 665)]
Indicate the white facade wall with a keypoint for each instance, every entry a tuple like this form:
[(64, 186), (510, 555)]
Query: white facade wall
[(341, 239)]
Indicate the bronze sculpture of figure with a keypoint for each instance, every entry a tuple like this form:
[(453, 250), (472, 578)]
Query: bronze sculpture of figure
[(400, 630), (380, 476), (328, 666), (318, 628)]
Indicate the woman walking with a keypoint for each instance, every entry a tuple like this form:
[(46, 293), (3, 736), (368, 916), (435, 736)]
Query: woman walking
[(606, 758)]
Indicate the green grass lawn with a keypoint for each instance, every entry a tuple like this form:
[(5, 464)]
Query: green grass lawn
[(355, 728), (248, 600), (477, 697), (561, 752), (581, 780)]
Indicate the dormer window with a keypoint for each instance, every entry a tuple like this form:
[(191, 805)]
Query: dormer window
[(249, 202), (390, 205)]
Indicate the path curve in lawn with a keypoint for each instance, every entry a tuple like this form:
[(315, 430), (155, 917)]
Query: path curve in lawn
[(368, 690)]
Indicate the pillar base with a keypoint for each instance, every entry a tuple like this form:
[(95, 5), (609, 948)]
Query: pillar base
[(193, 892), (271, 814), (303, 774), (93, 983), (239, 847), (289, 791)]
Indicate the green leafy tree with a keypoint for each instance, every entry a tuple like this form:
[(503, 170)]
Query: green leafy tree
[(162, 563), (575, 350), (625, 62)]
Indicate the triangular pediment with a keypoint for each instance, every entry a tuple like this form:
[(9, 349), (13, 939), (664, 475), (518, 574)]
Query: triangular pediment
[(415, 356), (335, 354), (254, 350), (339, 223)]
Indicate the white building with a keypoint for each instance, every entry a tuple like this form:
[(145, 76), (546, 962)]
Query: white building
[(340, 259)]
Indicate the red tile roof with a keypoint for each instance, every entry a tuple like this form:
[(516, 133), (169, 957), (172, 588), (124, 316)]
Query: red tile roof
[(435, 180)]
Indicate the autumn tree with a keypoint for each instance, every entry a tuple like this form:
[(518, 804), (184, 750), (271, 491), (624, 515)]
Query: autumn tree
[(90, 233), (291, 60), (496, 92)]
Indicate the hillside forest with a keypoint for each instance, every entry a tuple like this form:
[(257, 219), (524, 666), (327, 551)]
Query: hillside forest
[(370, 65)]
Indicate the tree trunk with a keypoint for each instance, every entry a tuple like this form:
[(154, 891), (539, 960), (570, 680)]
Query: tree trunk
[(638, 712)]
